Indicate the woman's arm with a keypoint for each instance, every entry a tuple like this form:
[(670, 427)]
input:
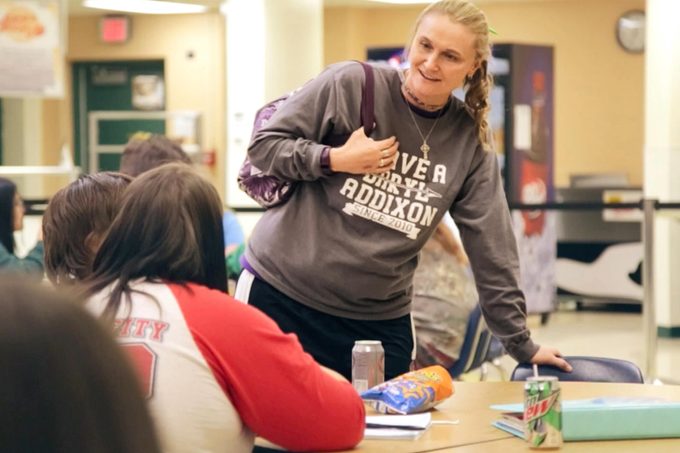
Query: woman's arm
[(482, 216), (290, 145), (481, 213)]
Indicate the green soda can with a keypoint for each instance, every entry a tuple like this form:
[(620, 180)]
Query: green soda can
[(543, 412)]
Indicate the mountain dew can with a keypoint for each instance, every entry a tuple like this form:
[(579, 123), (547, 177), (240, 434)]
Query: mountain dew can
[(543, 412)]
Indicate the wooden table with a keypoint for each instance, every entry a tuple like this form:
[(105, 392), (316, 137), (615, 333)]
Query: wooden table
[(470, 404)]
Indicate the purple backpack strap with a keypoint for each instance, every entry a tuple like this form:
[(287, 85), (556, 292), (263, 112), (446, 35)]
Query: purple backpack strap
[(367, 99)]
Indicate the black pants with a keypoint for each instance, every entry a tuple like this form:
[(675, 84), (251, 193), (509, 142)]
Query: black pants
[(330, 339)]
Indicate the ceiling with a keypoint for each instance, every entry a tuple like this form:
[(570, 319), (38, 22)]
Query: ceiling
[(75, 7)]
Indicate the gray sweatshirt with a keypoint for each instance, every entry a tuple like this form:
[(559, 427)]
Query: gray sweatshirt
[(348, 245)]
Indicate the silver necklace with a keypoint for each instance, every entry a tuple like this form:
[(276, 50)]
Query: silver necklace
[(425, 148)]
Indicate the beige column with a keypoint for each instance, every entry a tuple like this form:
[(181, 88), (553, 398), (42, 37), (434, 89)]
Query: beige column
[(662, 156), (22, 141), (273, 46)]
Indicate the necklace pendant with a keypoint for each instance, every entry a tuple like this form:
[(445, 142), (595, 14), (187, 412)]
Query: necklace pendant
[(425, 148)]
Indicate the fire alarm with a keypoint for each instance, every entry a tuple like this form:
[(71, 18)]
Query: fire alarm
[(114, 29)]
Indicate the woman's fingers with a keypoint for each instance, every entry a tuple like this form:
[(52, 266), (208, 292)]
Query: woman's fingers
[(385, 143), (362, 154), (386, 158), (550, 356)]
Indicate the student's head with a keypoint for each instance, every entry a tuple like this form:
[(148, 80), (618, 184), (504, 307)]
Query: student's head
[(76, 221), (146, 151), (11, 213), (65, 385), (169, 228), (450, 49)]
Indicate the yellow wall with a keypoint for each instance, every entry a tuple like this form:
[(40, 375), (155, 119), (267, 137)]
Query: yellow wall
[(196, 83), (599, 118)]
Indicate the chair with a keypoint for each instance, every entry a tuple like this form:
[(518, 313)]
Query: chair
[(591, 369), (479, 347)]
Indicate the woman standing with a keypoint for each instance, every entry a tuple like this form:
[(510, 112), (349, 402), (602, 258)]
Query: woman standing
[(335, 263), (12, 219)]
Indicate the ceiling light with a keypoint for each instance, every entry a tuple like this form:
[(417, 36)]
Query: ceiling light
[(146, 6), (403, 2)]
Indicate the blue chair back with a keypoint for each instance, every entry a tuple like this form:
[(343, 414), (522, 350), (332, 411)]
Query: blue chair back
[(586, 369), (479, 345)]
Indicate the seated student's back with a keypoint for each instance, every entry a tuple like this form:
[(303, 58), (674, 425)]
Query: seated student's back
[(216, 371), (147, 151)]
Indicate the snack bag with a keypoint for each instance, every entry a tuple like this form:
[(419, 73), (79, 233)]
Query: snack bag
[(415, 391)]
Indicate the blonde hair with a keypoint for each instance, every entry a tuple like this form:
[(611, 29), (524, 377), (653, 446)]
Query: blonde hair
[(479, 85)]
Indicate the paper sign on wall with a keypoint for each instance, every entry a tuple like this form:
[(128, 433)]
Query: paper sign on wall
[(31, 60)]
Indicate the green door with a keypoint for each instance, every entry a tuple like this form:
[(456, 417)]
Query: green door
[(2, 138), (107, 87)]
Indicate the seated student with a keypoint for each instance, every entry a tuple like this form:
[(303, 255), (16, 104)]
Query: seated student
[(65, 387), (216, 371), (146, 151), (76, 221), (11, 220), (444, 294)]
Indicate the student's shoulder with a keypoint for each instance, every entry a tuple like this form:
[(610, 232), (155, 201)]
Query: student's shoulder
[(210, 304), (461, 113), (355, 68), (351, 74), (201, 295)]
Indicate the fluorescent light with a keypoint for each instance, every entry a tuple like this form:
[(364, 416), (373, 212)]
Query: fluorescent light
[(145, 6), (403, 2)]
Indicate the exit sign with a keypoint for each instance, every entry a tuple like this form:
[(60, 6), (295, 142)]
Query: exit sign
[(114, 29)]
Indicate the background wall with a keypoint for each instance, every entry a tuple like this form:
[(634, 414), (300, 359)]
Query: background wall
[(191, 82), (599, 118), (599, 87)]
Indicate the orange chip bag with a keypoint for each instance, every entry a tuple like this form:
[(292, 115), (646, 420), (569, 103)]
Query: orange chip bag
[(415, 391)]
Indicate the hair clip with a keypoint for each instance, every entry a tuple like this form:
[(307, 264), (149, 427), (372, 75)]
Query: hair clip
[(493, 31)]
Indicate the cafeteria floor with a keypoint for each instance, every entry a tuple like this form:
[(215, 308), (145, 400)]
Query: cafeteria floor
[(597, 330)]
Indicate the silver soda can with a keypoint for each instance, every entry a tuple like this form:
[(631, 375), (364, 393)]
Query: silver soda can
[(368, 364), (543, 412)]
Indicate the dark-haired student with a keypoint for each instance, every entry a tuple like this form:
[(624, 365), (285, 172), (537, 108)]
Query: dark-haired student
[(217, 372), (145, 151), (76, 221)]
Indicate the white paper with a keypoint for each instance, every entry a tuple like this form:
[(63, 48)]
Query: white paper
[(423, 421), (414, 420), (390, 433), (522, 132)]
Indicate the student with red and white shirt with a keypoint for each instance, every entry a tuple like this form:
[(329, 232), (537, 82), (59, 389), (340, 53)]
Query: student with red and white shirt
[(216, 372)]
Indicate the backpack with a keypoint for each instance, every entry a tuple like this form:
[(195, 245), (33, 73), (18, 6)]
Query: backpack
[(269, 191)]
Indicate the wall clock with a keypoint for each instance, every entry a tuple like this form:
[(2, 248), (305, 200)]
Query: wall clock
[(630, 31)]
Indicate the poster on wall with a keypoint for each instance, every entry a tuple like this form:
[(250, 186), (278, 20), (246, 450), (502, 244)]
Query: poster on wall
[(31, 58), (148, 92)]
